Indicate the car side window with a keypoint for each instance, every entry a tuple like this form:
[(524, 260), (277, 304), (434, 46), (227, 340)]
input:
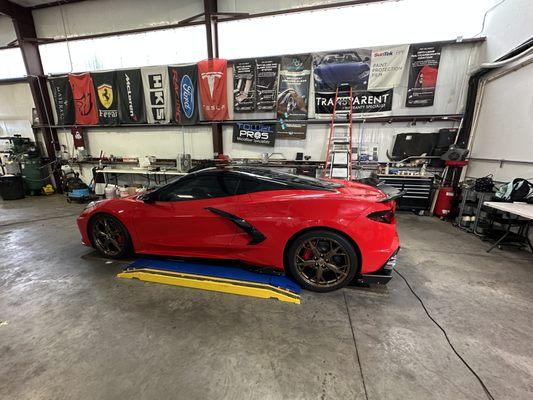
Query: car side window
[(200, 187), (258, 185)]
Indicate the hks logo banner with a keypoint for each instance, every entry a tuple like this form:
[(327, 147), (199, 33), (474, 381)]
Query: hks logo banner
[(156, 94), (250, 133), (84, 99), (63, 100), (244, 86), (293, 96), (130, 93), (213, 89), (107, 99), (184, 92), (423, 73), (266, 83)]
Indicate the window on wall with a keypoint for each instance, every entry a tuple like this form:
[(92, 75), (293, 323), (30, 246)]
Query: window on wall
[(374, 24), (161, 47), (11, 64)]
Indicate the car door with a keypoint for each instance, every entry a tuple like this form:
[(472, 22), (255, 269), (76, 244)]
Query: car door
[(181, 220)]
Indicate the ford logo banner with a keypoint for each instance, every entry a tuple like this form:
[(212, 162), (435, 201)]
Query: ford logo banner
[(187, 96)]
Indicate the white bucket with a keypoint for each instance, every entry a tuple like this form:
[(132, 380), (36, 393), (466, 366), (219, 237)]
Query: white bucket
[(110, 192)]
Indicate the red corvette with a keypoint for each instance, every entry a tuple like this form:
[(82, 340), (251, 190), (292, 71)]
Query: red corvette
[(324, 233)]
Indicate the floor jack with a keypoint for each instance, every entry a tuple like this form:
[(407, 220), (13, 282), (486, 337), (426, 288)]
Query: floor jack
[(214, 278)]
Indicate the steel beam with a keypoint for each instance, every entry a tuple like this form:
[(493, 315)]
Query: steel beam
[(28, 43)]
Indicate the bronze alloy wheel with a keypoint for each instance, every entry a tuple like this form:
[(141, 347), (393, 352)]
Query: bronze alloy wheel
[(109, 236), (323, 262)]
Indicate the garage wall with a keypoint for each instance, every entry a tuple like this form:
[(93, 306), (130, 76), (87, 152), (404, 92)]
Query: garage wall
[(7, 33)]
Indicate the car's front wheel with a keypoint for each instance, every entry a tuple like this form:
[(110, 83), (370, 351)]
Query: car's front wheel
[(110, 236), (322, 261)]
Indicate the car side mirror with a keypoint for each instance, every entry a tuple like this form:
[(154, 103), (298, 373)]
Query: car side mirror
[(148, 198)]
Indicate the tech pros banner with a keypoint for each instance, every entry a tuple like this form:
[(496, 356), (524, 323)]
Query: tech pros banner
[(259, 134), (156, 94), (244, 85), (84, 99), (266, 83), (293, 96), (106, 97), (423, 72), (184, 93), (131, 101), (213, 89), (371, 73), (63, 100)]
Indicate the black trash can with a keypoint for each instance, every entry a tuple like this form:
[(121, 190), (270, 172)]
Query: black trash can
[(11, 187)]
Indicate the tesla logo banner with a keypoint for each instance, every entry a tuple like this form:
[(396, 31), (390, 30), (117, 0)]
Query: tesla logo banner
[(423, 73), (107, 101), (130, 92), (369, 72), (260, 134), (293, 96), (183, 92), (156, 94), (266, 83), (84, 99), (213, 89), (244, 86), (63, 100)]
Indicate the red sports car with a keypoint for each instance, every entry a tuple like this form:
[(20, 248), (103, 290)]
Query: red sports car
[(323, 233)]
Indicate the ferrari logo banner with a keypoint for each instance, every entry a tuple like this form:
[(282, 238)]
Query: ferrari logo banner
[(184, 93), (84, 99), (130, 93), (293, 96), (213, 89), (63, 100), (107, 101), (423, 73), (156, 94)]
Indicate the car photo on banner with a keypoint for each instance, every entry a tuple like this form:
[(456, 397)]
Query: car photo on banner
[(351, 68)]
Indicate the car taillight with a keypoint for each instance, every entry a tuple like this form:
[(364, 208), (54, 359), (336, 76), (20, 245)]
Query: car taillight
[(387, 216)]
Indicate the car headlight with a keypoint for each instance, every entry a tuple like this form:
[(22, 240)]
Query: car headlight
[(364, 74), (92, 204)]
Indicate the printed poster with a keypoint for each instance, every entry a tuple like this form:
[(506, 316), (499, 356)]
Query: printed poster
[(267, 70), (184, 93), (258, 134), (423, 73), (63, 100), (293, 96), (84, 99), (106, 97), (131, 97), (156, 94), (244, 85)]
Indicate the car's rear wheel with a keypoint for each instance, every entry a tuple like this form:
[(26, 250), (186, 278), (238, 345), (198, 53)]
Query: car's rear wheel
[(110, 236), (322, 261)]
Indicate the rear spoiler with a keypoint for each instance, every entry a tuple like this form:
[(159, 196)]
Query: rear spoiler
[(394, 196)]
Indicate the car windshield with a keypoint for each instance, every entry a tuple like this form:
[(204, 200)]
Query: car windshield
[(284, 177)]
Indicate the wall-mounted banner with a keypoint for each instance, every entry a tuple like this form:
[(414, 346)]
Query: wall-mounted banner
[(84, 99), (184, 92), (386, 66), (63, 101), (293, 96), (106, 97), (156, 94), (423, 73), (266, 83), (213, 89), (363, 102), (250, 133), (130, 92), (77, 137), (244, 86)]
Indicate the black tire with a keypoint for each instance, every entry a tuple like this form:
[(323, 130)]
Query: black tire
[(322, 261), (110, 237)]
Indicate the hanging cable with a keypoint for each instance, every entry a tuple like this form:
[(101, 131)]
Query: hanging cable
[(66, 36), (485, 389)]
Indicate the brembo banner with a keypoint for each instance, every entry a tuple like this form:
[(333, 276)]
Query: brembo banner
[(213, 89), (184, 93)]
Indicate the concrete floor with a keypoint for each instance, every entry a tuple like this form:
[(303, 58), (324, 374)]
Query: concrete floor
[(70, 330)]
